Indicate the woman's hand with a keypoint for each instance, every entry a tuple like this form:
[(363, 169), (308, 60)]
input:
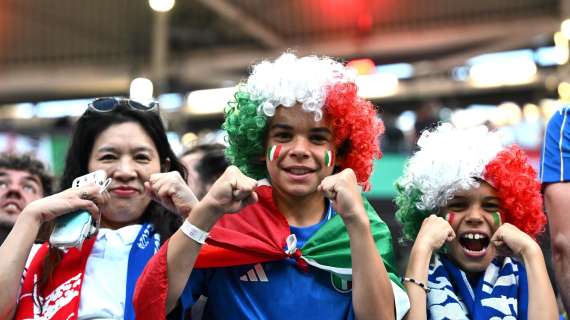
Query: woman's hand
[(434, 232), (172, 192), (83, 198)]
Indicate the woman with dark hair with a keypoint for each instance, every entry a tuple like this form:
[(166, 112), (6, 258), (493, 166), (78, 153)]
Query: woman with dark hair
[(127, 140)]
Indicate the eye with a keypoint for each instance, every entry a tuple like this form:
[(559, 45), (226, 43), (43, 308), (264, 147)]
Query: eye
[(107, 157), (3, 184), (319, 138), (457, 206), (29, 188), (282, 136), (142, 157), (490, 206)]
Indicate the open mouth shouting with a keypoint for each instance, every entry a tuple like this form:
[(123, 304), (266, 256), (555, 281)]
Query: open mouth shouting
[(474, 243)]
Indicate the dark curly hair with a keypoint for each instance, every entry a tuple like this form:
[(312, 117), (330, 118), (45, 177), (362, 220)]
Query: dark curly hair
[(28, 163)]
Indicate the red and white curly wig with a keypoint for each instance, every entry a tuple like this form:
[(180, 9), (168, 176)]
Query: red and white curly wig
[(450, 160)]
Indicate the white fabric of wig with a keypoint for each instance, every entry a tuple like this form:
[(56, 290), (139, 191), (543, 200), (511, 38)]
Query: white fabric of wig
[(447, 161), (290, 79)]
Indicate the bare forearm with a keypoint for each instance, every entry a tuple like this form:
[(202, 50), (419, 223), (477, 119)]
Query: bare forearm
[(562, 276), (542, 303), (14, 252), (557, 205), (417, 269), (182, 254), (372, 293)]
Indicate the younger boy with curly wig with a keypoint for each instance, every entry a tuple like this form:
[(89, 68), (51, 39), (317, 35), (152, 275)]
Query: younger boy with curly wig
[(475, 205), (302, 242)]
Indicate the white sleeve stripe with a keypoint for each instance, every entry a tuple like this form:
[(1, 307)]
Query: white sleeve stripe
[(560, 143)]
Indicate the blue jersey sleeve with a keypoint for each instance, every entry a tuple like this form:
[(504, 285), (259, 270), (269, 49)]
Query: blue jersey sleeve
[(555, 157)]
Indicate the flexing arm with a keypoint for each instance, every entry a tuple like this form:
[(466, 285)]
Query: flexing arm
[(541, 300), (557, 203), (16, 248), (372, 294), (435, 231), (230, 193)]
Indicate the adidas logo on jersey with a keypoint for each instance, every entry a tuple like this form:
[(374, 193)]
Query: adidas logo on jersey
[(255, 274)]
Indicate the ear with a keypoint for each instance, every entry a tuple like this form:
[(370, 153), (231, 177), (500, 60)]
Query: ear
[(165, 167)]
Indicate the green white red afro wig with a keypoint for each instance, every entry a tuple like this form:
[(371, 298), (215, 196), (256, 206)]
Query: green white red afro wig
[(323, 87), (449, 160)]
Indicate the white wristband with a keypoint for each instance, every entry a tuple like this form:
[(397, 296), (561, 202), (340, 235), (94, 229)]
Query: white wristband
[(194, 232)]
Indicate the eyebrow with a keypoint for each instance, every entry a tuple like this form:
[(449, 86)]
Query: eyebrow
[(29, 177), (113, 149), (281, 126), (312, 130), (487, 198), (33, 178)]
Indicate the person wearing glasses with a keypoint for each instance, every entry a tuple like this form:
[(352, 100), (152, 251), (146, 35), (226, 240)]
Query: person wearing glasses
[(301, 242), (473, 208), (126, 140)]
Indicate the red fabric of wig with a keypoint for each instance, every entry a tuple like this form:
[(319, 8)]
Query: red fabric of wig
[(518, 189), (354, 119)]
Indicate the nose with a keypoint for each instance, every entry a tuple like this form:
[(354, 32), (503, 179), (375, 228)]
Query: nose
[(124, 170), (299, 148), (475, 216)]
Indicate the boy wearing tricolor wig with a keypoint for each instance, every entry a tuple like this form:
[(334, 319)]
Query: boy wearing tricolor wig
[(302, 242), (475, 205)]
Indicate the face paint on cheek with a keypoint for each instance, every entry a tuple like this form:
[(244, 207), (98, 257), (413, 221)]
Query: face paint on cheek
[(497, 218), (329, 158), (450, 217), (273, 152)]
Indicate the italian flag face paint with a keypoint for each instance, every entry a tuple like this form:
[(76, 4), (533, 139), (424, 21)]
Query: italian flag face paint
[(273, 152), (497, 218), (450, 217), (329, 158)]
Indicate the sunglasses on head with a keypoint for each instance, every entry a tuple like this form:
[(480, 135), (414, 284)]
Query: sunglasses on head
[(110, 104)]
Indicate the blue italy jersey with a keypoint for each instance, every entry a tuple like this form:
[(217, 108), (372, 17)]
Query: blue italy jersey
[(272, 290)]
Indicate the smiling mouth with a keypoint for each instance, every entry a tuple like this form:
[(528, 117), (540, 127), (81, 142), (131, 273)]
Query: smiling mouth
[(475, 243), (122, 192), (299, 171)]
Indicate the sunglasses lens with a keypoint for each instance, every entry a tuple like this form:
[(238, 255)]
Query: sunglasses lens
[(104, 104)]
